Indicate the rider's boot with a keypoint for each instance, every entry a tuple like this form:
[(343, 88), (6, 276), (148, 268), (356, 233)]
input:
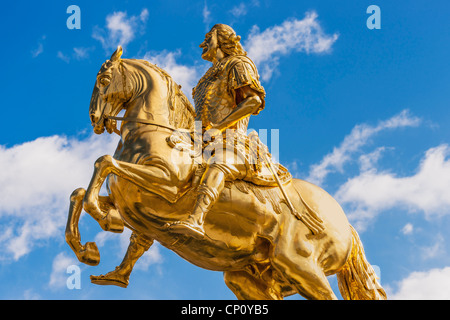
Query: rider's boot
[(193, 225)]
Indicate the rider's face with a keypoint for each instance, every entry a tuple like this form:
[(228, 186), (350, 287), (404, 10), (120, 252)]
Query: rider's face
[(210, 46)]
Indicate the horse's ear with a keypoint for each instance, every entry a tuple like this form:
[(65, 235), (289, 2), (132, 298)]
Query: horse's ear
[(117, 54)]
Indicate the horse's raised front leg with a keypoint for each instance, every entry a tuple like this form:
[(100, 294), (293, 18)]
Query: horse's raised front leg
[(110, 221), (154, 178), (101, 208), (120, 276), (87, 253)]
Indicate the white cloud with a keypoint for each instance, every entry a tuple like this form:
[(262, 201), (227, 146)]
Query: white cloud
[(35, 190), (408, 229), (144, 15), (239, 10), (429, 285), (435, 250), (120, 29), (40, 48), (206, 15), (352, 143), (372, 192), (58, 277), (80, 53), (151, 257), (367, 161), (292, 35), (63, 57), (29, 294)]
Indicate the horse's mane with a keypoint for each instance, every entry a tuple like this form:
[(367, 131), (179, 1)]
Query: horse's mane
[(181, 111)]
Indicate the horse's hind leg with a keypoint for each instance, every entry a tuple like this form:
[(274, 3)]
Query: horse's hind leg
[(120, 276), (247, 287), (302, 273)]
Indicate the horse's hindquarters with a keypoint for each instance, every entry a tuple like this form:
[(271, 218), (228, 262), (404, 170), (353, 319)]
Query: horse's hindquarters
[(331, 247)]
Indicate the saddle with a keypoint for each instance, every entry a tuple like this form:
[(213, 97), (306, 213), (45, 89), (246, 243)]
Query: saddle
[(251, 148), (261, 182)]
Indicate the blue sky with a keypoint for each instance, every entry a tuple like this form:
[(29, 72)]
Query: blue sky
[(362, 113)]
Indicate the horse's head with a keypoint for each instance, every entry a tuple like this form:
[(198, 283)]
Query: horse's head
[(111, 92)]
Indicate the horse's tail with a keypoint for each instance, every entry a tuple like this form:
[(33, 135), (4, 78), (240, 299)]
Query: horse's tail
[(357, 279)]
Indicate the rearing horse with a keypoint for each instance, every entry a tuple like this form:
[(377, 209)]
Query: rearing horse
[(264, 251)]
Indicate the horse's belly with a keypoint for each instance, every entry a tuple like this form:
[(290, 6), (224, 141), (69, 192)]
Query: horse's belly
[(230, 242), (234, 231), (214, 255), (230, 235)]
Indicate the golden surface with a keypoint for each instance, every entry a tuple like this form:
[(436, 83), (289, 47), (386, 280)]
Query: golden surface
[(270, 234)]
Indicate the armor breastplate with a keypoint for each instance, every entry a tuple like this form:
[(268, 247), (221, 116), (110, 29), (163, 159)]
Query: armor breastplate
[(213, 98)]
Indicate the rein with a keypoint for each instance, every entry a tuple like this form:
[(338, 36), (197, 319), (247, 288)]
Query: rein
[(143, 121)]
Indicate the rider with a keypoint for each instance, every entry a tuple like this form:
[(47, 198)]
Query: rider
[(225, 97)]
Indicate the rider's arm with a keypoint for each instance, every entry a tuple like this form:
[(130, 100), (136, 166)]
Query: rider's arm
[(249, 102)]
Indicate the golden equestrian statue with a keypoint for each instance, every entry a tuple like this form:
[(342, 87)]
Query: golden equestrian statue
[(193, 180)]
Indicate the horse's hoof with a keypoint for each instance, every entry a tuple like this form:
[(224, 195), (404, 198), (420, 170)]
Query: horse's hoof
[(89, 254), (107, 280)]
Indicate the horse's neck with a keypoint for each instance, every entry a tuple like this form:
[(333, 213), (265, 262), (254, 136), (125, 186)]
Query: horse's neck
[(150, 102), (150, 106)]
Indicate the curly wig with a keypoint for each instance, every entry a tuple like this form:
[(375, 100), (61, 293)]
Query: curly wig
[(229, 42)]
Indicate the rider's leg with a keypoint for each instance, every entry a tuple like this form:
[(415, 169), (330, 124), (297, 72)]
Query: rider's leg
[(120, 276), (211, 186), (213, 181)]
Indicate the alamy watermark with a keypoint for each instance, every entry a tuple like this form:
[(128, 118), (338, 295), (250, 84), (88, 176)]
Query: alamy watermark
[(374, 20), (231, 146), (74, 280), (74, 20)]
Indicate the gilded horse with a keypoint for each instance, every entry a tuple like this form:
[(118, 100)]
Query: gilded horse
[(264, 251)]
